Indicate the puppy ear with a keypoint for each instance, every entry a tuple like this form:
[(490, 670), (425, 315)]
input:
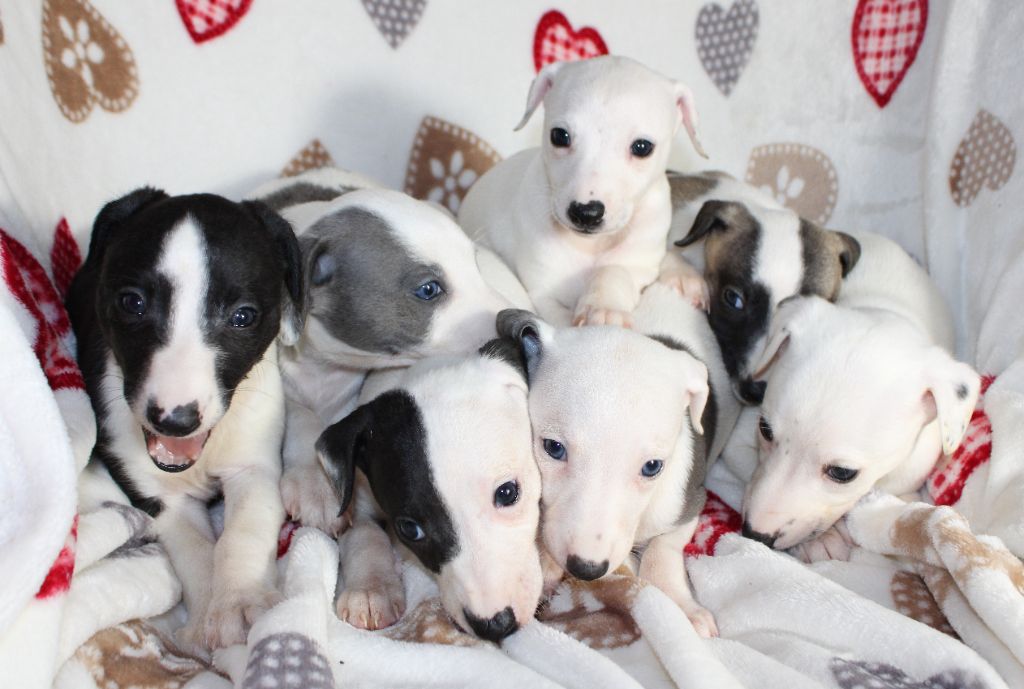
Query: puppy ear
[(951, 393), (527, 331), (695, 382), (713, 216), (688, 112), (341, 448), (112, 215), (293, 315), (542, 83), (847, 250)]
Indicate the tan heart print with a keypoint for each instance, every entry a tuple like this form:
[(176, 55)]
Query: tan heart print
[(445, 162), (798, 176), (985, 157), (86, 60), (312, 157)]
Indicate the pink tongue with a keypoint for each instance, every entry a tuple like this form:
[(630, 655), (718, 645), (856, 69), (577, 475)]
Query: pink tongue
[(176, 451)]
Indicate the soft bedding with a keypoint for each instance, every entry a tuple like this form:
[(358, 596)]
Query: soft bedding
[(898, 116)]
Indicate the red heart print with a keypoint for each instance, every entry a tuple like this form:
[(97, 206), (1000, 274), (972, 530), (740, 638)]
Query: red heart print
[(207, 19), (886, 35), (556, 40)]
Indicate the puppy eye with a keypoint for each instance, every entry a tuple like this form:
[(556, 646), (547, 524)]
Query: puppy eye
[(652, 468), (507, 494), (554, 448), (641, 148), (243, 317), (132, 302), (560, 138), (766, 429), (429, 291), (733, 298), (840, 474), (409, 530)]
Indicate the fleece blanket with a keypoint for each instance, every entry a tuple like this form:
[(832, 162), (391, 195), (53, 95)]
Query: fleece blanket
[(899, 116)]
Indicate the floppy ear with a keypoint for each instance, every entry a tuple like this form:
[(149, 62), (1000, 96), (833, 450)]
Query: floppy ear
[(847, 249), (951, 393), (115, 213), (341, 448), (786, 324), (542, 83), (695, 381), (293, 314), (527, 331), (713, 216), (688, 113)]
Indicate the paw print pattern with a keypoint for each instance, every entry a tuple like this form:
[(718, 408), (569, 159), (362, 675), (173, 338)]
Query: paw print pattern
[(445, 161), (287, 661)]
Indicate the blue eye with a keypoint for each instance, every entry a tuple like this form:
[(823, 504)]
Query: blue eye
[(132, 302), (243, 317), (554, 448), (840, 474), (409, 530), (652, 468), (733, 298), (560, 138), (429, 290), (641, 148), (507, 494)]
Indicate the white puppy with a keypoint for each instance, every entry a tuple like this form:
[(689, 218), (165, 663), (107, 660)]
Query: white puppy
[(443, 457), (862, 394), (582, 220), (390, 280), (625, 426)]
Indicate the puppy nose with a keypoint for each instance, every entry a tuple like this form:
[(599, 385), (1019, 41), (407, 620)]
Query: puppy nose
[(494, 629), (586, 216), (587, 570), (752, 391), (180, 422), (758, 536)]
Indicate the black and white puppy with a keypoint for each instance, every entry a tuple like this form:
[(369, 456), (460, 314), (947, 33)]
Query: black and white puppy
[(754, 253), (443, 456), (176, 310)]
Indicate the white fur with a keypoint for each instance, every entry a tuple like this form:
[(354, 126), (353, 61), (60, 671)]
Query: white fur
[(519, 207)]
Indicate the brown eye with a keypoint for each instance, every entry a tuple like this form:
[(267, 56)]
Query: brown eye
[(840, 474), (766, 429)]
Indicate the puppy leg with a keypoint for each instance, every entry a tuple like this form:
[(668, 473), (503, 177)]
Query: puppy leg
[(662, 565), (305, 489), (185, 532), (245, 556), (678, 274), (373, 597), (551, 571), (609, 299)]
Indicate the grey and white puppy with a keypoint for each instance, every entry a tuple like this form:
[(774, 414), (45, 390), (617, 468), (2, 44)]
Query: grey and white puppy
[(754, 253), (390, 280), (625, 424)]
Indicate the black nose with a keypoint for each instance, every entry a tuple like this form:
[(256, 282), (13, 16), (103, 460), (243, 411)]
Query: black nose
[(752, 391), (588, 570), (758, 536), (181, 422), (494, 629), (586, 216)]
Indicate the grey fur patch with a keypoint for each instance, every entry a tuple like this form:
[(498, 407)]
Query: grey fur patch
[(302, 192), (686, 189), (367, 300)]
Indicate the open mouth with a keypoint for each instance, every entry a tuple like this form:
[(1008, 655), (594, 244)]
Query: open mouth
[(175, 454)]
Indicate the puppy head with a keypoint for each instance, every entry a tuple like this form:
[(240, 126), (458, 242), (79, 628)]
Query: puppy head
[(848, 400), (191, 292), (392, 279), (448, 460), (608, 129), (755, 257), (615, 416)]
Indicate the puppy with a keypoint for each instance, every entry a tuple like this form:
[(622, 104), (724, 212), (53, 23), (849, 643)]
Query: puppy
[(754, 253), (390, 280), (176, 311), (624, 428), (861, 395), (582, 220), (442, 455)]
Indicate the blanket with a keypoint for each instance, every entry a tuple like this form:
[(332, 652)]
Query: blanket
[(891, 115)]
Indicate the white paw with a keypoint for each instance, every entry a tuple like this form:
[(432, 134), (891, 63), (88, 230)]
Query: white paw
[(833, 544), (594, 315), (309, 498), (702, 620), (231, 614), (373, 607), (690, 285)]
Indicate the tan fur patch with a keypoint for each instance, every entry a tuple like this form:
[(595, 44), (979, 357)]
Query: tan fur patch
[(428, 623), (135, 654)]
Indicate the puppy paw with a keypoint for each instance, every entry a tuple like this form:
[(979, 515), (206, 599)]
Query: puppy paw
[(701, 619), (309, 498), (691, 286), (230, 615), (833, 544), (592, 315), (373, 607), (191, 638)]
